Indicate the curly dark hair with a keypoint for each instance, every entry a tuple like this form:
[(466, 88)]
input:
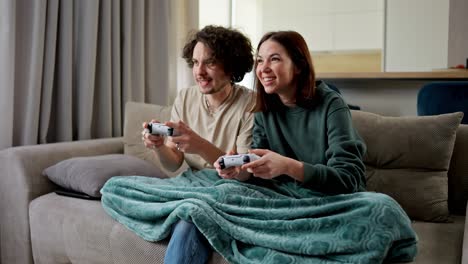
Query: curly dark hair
[(230, 48)]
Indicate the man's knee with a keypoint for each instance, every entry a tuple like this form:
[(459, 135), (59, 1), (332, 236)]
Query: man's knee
[(187, 245), (184, 228)]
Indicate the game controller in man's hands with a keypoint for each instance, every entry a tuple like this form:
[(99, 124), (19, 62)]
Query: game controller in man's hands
[(161, 129), (236, 160)]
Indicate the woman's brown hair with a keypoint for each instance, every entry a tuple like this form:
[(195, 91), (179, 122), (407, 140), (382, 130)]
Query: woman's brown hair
[(297, 49)]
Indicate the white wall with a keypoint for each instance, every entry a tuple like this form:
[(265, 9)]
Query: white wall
[(247, 16), (416, 35), (214, 12), (328, 25)]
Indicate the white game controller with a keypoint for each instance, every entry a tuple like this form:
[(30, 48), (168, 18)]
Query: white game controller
[(160, 129), (236, 160)]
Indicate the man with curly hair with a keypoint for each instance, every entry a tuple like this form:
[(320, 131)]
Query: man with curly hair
[(211, 118)]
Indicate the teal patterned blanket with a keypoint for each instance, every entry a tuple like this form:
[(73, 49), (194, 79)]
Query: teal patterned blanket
[(265, 221)]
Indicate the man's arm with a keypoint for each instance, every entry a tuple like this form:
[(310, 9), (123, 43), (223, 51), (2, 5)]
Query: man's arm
[(170, 157), (190, 142), (168, 154)]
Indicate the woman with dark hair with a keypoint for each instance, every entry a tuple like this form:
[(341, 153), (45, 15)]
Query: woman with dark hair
[(313, 136), (303, 129), (304, 135)]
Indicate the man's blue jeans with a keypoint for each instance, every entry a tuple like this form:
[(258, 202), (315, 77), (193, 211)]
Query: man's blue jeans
[(187, 245)]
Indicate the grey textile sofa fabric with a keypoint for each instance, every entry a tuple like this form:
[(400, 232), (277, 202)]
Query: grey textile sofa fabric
[(38, 226)]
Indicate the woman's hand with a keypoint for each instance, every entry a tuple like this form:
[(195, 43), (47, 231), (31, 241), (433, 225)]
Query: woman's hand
[(151, 141), (228, 173), (271, 165)]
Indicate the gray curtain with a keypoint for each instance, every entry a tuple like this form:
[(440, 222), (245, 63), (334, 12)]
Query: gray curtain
[(67, 67)]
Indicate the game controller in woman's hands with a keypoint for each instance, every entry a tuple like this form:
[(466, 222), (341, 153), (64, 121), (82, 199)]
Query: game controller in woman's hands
[(236, 160)]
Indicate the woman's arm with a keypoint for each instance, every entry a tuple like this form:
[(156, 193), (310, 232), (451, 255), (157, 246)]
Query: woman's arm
[(344, 171)]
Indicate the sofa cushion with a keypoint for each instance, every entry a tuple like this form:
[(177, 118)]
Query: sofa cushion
[(88, 174), (439, 242), (69, 230), (135, 115), (408, 158)]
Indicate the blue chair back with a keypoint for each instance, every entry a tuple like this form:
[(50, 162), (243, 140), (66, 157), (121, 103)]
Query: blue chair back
[(444, 97)]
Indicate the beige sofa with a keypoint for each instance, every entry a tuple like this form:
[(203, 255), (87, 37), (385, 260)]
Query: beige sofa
[(39, 226)]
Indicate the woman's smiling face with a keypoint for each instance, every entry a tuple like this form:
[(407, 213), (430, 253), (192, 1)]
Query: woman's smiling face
[(275, 70)]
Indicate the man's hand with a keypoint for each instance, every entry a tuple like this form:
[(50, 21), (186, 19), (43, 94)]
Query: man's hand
[(149, 140), (187, 140)]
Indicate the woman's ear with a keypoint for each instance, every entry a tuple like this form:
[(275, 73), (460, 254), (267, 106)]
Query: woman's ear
[(297, 71)]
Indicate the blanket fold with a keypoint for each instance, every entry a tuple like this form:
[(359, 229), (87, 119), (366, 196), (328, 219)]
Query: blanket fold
[(265, 221)]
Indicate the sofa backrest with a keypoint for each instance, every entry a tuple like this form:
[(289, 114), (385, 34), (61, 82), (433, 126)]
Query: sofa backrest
[(458, 173), (136, 113)]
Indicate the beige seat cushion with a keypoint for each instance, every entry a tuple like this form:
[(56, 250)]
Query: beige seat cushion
[(440, 242), (71, 230), (408, 158)]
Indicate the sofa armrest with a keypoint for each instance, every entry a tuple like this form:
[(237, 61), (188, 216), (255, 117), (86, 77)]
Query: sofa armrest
[(465, 241), (21, 181)]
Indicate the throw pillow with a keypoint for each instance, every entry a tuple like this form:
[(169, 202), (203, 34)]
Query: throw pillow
[(408, 159), (88, 174)]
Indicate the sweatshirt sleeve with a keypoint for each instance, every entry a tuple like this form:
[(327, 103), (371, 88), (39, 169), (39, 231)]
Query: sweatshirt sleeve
[(344, 171), (259, 137)]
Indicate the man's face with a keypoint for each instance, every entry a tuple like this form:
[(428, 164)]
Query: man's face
[(208, 73)]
